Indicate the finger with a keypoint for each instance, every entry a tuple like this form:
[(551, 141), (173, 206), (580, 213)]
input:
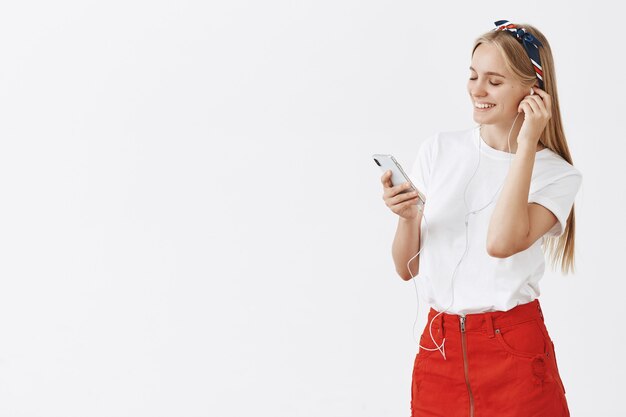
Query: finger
[(547, 100), (403, 204), (402, 197), (401, 187), (541, 93), (528, 110), (525, 107), (520, 107), (409, 202), (540, 103), (533, 102), (391, 192), (542, 106), (386, 178), (545, 97), (394, 199)]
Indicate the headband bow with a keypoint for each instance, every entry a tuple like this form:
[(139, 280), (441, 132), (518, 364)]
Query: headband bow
[(530, 43)]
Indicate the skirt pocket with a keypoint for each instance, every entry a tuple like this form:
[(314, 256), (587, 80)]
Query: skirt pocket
[(525, 340), (418, 364)]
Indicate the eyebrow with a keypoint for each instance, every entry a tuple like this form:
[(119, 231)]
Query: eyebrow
[(489, 73)]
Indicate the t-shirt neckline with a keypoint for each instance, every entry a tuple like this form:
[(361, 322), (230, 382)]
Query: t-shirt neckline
[(496, 153)]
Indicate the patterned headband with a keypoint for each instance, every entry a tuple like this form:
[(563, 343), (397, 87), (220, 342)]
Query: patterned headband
[(530, 43)]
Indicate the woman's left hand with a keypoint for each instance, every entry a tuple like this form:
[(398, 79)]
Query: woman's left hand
[(537, 110)]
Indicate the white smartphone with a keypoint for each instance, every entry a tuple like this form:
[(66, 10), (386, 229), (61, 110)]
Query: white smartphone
[(398, 176)]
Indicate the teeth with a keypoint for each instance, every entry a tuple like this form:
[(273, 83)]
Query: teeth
[(484, 106)]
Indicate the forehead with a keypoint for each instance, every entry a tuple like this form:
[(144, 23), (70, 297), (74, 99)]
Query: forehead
[(487, 58)]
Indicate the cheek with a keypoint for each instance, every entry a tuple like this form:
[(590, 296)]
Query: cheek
[(508, 100)]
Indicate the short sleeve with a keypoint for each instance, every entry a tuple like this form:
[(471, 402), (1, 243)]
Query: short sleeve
[(422, 165), (558, 197)]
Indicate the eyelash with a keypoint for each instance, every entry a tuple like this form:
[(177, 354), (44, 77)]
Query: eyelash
[(489, 82)]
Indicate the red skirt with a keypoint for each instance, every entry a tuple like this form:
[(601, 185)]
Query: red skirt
[(499, 364)]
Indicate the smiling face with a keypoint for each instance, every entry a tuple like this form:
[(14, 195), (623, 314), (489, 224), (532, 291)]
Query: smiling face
[(499, 89)]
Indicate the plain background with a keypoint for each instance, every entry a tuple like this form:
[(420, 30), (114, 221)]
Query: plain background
[(191, 223)]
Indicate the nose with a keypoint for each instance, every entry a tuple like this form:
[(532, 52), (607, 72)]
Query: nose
[(477, 89)]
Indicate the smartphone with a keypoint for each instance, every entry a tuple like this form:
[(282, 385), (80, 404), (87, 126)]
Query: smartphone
[(398, 176)]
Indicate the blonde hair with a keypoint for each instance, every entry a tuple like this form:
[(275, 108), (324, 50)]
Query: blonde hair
[(518, 63)]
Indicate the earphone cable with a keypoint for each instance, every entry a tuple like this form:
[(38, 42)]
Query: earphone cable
[(441, 347)]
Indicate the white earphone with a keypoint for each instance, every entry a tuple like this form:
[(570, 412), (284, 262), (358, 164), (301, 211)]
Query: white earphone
[(441, 347)]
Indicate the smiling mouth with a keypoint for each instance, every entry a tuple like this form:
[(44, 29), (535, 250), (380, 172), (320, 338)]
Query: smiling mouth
[(484, 108)]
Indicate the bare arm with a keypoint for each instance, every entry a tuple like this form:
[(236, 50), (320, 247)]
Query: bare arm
[(509, 222), (510, 228), (406, 244), (407, 240)]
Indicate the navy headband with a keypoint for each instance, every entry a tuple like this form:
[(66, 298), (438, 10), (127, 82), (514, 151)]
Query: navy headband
[(530, 43)]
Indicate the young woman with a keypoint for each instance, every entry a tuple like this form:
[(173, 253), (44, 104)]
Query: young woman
[(497, 195)]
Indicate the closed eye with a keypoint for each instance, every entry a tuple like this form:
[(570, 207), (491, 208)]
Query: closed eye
[(489, 82)]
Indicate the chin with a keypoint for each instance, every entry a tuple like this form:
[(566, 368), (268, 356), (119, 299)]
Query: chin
[(481, 119), (485, 118)]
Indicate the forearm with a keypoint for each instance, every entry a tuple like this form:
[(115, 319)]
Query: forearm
[(406, 244), (509, 220)]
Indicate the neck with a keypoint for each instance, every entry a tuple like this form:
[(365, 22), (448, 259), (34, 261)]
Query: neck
[(495, 135)]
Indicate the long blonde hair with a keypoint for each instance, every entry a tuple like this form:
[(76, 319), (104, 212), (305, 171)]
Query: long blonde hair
[(553, 137)]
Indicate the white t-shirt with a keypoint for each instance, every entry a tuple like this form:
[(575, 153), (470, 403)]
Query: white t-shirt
[(444, 165)]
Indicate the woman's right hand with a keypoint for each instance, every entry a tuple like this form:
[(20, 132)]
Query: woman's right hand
[(403, 204)]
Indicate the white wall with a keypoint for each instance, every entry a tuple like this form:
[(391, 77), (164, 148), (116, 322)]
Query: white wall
[(192, 225)]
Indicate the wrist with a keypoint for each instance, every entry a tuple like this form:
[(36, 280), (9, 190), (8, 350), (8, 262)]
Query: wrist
[(411, 221), (526, 146)]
